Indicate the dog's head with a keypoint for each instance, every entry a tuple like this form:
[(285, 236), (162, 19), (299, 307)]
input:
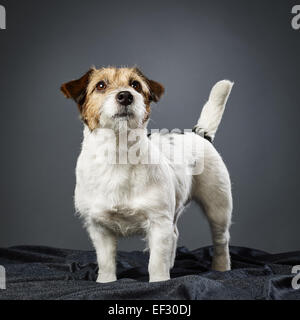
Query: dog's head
[(108, 97)]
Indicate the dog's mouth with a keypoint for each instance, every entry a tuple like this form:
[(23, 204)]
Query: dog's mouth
[(124, 115)]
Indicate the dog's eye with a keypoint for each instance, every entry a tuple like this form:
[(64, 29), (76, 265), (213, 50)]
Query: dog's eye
[(101, 85), (136, 85)]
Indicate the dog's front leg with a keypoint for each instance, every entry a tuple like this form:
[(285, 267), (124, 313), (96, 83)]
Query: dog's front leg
[(105, 243), (161, 242)]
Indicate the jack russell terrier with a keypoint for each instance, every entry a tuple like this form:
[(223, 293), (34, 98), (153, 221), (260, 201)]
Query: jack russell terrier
[(118, 198)]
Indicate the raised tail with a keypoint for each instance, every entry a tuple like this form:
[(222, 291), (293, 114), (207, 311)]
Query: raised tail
[(213, 110)]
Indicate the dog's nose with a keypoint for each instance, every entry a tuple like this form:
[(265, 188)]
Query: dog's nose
[(125, 98)]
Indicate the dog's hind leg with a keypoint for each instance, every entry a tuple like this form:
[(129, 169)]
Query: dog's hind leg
[(174, 247), (212, 190)]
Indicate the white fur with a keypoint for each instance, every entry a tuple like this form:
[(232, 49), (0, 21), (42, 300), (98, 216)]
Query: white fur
[(213, 110), (125, 199)]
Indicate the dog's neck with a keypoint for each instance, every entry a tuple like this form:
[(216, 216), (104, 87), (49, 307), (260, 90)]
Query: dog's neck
[(121, 143)]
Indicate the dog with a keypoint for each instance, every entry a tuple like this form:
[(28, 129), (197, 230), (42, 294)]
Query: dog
[(117, 198)]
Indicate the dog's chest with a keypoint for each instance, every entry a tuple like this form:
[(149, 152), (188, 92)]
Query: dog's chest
[(114, 195), (116, 182)]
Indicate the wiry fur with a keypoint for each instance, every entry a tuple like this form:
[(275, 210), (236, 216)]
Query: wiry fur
[(213, 110), (124, 199)]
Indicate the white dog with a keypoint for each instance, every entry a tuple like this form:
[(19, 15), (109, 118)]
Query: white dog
[(120, 198)]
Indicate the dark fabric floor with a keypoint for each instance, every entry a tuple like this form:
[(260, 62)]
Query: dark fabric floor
[(49, 273)]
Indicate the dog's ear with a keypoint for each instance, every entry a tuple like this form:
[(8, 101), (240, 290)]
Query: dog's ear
[(76, 89), (156, 89)]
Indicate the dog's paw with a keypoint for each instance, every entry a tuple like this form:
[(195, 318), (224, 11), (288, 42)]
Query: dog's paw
[(158, 279), (221, 266), (106, 279)]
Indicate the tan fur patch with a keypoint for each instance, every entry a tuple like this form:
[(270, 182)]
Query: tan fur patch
[(82, 90)]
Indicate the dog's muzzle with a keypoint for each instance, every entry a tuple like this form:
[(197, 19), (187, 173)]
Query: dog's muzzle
[(124, 98)]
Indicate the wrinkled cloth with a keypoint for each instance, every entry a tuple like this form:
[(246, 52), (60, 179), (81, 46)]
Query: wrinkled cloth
[(59, 274)]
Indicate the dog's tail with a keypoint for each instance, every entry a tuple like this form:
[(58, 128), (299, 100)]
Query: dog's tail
[(213, 110)]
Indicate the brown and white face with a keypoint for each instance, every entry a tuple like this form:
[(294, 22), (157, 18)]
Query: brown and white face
[(109, 97)]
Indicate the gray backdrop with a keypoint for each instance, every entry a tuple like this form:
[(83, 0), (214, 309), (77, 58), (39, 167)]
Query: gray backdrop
[(186, 45)]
